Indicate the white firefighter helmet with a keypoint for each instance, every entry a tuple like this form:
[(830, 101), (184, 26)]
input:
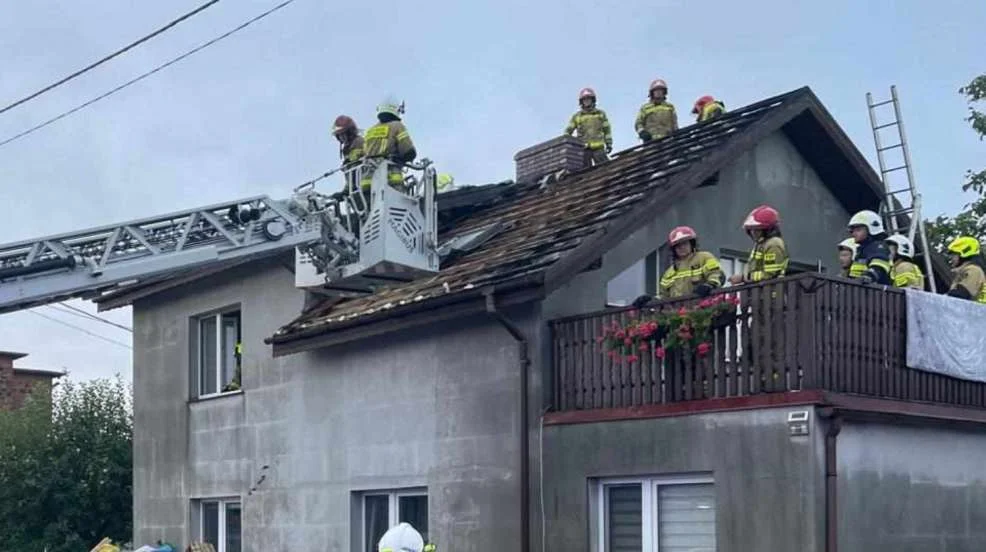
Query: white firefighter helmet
[(401, 538), (904, 246), (869, 219), (849, 244)]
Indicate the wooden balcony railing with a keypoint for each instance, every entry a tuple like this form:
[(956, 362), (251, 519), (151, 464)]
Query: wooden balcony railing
[(802, 332)]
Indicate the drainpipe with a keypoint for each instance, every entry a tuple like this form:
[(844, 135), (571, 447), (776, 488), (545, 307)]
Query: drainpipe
[(525, 472), (831, 489)]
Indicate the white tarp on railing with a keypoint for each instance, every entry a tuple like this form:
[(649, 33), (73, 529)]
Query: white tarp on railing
[(946, 335)]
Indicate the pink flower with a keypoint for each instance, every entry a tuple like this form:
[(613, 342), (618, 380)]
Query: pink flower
[(600, 339), (644, 346), (620, 334), (659, 352), (632, 358), (703, 348), (682, 311)]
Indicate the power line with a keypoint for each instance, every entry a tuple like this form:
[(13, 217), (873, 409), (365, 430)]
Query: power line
[(69, 309), (109, 57), (145, 75), (83, 330)]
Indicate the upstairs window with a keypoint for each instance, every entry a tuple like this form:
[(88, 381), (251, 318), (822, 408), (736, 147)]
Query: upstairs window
[(216, 355)]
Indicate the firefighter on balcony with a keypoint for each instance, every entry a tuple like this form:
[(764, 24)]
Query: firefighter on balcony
[(968, 278), (592, 127), (847, 252), (871, 265), (904, 273), (707, 108), (388, 140), (692, 272), (657, 118), (769, 256)]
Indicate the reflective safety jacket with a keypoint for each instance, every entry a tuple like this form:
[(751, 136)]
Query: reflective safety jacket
[(657, 119), (872, 259), (391, 141), (969, 282), (906, 274), (767, 260), (592, 127), (681, 278), (711, 110), (353, 151)]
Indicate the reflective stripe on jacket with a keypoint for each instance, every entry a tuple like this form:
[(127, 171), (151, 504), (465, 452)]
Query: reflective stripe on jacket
[(767, 260), (389, 140), (657, 119), (872, 258), (592, 127), (907, 274), (680, 279)]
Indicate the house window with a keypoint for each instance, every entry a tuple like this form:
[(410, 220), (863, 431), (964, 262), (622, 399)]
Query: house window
[(216, 353), (220, 524), (382, 510), (656, 514)]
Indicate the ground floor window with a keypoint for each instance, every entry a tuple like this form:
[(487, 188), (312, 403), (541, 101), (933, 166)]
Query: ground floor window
[(220, 524), (656, 514), (382, 510)]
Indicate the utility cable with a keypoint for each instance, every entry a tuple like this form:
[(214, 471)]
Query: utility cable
[(83, 330), (109, 57), (145, 75), (69, 309)]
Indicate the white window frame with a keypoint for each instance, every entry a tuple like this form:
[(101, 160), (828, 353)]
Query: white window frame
[(393, 506), (222, 504), (649, 486), (197, 360)]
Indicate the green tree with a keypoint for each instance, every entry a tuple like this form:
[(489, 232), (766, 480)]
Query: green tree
[(66, 468), (972, 220)]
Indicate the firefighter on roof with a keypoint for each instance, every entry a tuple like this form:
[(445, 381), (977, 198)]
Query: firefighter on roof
[(769, 256), (388, 140), (657, 118), (707, 108), (350, 142), (871, 265), (592, 127), (968, 278), (904, 273), (847, 252)]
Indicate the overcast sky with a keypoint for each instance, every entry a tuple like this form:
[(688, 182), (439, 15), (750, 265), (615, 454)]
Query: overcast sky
[(251, 114)]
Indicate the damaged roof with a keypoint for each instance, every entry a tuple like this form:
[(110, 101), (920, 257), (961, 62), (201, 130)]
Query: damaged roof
[(551, 232)]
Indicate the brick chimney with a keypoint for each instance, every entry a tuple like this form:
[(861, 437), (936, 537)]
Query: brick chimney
[(563, 152), (7, 359)]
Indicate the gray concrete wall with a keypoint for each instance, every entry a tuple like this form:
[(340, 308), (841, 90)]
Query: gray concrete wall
[(204, 449), (769, 486), (911, 489), (433, 407), (773, 172)]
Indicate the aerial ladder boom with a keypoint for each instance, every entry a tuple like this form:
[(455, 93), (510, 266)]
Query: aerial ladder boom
[(341, 242)]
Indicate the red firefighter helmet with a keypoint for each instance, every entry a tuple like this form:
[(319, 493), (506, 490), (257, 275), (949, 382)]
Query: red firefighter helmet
[(342, 124), (702, 102), (680, 234), (587, 93), (763, 217)]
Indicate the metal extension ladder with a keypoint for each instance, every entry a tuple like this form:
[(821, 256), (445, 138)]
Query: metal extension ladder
[(899, 199)]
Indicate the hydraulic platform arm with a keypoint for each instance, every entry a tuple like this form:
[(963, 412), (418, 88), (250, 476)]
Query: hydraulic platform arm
[(86, 263)]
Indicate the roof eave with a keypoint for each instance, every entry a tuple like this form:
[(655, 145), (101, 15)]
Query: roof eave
[(512, 292)]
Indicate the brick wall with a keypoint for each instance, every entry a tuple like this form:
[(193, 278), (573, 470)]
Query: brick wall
[(563, 152), (16, 385)]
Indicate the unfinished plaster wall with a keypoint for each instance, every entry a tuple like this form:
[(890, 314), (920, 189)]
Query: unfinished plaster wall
[(908, 489)]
